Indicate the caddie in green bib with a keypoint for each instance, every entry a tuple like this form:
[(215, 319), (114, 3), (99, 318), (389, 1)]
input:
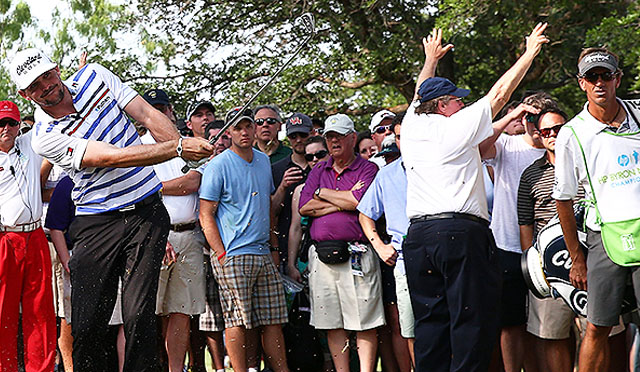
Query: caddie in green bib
[(613, 171)]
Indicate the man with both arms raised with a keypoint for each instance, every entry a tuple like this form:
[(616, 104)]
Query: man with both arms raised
[(449, 251)]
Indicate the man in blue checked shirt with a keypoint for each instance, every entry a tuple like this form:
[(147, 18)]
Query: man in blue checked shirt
[(388, 195), (121, 226)]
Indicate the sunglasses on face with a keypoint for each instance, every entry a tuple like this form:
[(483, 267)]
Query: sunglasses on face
[(382, 129), (592, 77), (550, 132), (270, 121), (11, 123), (318, 155), (298, 134), (334, 135)]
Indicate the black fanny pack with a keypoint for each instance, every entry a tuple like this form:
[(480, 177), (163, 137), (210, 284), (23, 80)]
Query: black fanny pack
[(333, 251)]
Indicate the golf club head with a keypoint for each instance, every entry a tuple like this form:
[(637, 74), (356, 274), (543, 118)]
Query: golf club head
[(308, 22)]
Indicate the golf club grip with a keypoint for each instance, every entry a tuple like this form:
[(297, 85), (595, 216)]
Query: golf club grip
[(191, 164)]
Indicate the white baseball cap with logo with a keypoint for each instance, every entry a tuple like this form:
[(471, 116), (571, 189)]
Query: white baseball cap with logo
[(27, 65), (379, 117), (339, 123)]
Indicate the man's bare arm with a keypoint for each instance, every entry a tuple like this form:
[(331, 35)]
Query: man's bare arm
[(161, 128), (45, 170), (578, 272), (183, 185), (526, 237), (102, 154), (342, 199), (60, 244), (317, 208), (487, 147), (502, 90), (295, 236), (210, 227), (386, 252), (433, 51)]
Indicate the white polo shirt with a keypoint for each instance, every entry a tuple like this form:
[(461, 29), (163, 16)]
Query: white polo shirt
[(99, 98), (444, 171), (20, 195), (183, 208)]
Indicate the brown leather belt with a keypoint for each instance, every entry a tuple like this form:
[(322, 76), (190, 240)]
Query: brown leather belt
[(187, 226)]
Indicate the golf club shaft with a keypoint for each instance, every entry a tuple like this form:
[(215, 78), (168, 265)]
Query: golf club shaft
[(194, 164)]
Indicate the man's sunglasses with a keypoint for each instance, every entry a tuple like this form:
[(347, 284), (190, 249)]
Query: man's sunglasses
[(270, 121), (298, 134), (550, 132), (382, 129), (318, 155), (592, 77), (11, 123)]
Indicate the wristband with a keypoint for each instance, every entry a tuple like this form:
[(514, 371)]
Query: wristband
[(179, 148), (222, 255)]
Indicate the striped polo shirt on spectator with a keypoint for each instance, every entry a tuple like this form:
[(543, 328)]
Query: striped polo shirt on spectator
[(535, 204), (99, 98)]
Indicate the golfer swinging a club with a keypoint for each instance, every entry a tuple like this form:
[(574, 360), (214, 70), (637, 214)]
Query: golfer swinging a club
[(121, 225)]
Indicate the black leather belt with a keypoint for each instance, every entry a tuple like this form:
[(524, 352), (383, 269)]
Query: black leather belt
[(142, 203), (187, 226), (450, 215)]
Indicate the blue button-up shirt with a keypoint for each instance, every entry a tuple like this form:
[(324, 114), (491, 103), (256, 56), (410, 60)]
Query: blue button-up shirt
[(388, 195)]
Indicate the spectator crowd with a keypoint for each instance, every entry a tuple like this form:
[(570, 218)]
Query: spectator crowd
[(397, 247)]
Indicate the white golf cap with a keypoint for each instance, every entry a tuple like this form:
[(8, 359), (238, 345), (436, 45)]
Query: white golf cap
[(378, 117), (27, 65), (339, 123)]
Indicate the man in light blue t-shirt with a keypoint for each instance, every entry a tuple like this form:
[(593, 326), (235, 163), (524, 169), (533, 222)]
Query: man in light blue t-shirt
[(235, 201)]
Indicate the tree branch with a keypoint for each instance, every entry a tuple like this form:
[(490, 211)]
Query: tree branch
[(348, 84)]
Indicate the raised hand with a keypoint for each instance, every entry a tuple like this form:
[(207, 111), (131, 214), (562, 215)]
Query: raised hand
[(291, 176), (537, 38), (433, 45), (523, 109)]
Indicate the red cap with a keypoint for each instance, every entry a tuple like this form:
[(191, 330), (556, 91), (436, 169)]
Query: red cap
[(9, 109)]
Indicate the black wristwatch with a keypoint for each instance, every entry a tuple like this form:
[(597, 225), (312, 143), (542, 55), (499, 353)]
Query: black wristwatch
[(317, 193)]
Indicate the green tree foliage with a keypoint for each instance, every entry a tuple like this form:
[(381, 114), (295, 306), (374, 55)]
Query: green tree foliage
[(365, 57), (489, 37)]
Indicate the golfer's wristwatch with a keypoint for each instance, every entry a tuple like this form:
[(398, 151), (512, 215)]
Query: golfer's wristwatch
[(179, 148)]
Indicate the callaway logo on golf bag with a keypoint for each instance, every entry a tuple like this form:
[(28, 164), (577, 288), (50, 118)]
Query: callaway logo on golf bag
[(546, 267)]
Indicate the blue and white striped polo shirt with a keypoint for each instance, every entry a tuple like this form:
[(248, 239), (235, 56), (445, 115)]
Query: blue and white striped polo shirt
[(99, 98)]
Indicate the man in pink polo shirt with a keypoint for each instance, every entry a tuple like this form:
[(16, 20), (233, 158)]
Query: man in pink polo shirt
[(344, 280)]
